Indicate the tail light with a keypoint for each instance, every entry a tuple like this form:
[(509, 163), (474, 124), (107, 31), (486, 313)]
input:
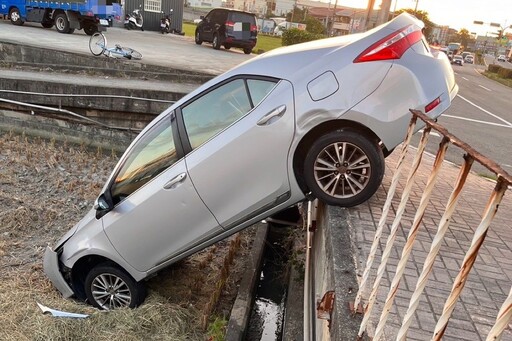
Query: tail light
[(230, 24), (393, 46), (254, 28), (432, 105)]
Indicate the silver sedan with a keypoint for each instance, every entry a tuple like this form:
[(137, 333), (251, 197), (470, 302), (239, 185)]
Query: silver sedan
[(309, 120)]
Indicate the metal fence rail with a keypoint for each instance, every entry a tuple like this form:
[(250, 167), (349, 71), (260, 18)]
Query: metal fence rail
[(504, 180)]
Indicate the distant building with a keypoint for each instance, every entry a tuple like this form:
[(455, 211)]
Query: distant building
[(440, 35), (205, 3)]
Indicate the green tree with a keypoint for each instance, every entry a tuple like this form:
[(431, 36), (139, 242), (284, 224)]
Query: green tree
[(423, 16), (313, 25)]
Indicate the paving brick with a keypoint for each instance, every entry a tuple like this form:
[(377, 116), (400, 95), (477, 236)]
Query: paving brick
[(489, 281)]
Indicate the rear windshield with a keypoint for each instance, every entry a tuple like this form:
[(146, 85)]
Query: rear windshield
[(242, 17)]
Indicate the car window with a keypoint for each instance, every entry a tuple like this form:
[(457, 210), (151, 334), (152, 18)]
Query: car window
[(259, 89), (219, 108), (152, 154), (242, 17)]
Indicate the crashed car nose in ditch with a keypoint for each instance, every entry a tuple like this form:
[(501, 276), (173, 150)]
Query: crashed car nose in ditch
[(311, 119)]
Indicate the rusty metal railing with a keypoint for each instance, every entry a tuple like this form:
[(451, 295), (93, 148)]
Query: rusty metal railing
[(504, 180)]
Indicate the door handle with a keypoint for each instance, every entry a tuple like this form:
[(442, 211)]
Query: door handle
[(277, 112), (174, 181)]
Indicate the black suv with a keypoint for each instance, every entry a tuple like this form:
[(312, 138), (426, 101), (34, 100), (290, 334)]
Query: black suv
[(228, 27)]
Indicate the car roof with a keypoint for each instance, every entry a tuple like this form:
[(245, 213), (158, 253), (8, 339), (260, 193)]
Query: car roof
[(232, 10)]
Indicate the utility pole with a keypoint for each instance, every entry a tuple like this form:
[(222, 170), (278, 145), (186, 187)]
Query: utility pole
[(369, 11), (384, 12)]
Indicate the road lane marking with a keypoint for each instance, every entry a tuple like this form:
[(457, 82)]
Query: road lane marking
[(465, 78), (433, 133), (478, 121), (486, 111), (483, 87), (509, 166)]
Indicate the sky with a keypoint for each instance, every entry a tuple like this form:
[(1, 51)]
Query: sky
[(454, 13)]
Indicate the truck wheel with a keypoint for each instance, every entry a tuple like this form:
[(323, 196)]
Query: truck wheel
[(62, 23), (15, 16), (90, 29)]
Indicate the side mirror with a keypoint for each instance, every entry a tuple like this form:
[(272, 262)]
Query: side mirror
[(102, 204)]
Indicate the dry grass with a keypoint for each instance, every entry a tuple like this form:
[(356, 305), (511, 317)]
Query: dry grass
[(45, 188)]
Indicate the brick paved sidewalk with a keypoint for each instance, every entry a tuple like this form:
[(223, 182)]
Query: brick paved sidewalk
[(490, 280)]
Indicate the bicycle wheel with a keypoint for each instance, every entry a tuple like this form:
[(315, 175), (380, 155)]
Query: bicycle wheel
[(132, 54), (97, 43)]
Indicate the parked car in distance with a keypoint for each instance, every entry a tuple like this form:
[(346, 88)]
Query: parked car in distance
[(502, 58), (229, 28), (470, 59), (302, 121), (458, 60)]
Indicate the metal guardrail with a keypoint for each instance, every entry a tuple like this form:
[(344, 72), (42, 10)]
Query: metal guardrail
[(504, 180)]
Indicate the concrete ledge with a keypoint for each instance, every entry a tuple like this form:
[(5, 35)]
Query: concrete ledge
[(335, 270), (241, 311)]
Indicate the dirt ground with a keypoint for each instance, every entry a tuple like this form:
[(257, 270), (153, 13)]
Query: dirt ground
[(45, 188)]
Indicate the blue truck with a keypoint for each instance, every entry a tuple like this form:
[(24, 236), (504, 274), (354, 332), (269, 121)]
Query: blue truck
[(89, 15)]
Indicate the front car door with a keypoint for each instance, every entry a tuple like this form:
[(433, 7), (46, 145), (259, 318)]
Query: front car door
[(157, 214), (240, 134)]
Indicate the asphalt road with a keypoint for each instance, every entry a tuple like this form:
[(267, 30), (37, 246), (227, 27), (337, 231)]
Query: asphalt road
[(166, 50), (480, 115)]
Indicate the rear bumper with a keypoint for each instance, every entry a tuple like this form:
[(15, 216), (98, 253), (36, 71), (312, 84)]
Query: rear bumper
[(51, 269)]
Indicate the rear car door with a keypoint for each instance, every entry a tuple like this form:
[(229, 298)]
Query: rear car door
[(158, 213), (239, 134)]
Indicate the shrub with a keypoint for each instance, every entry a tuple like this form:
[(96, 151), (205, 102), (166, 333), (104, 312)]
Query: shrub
[(494, 68), (295, 36), (505, 73)]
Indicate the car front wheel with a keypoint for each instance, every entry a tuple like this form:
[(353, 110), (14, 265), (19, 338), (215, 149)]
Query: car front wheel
[(216, 41), (344, 168), (109, 287)]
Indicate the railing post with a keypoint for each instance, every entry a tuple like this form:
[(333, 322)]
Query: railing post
[(441, 152), (469, 259), (385, 211), (394, 229)]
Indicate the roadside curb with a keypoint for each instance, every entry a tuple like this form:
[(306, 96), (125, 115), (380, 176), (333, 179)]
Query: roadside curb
[(242, 307)]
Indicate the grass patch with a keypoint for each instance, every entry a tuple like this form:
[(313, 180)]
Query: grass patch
[(497, 78), (45, 188), (492, 177), (264, 44)]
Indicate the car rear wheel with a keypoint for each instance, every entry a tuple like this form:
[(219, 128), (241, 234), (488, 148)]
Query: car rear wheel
[(109, 287), (247, 50), (199, 41), (344, 168), (216, 41)]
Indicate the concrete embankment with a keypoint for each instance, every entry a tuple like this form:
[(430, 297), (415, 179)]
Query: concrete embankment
[(116, 93)]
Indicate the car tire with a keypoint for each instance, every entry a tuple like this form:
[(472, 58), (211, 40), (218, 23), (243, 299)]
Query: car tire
[(14, 15), (216, 41), (108, 287), (344, 168), (248, 50), (227, 47), (198, 39)]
